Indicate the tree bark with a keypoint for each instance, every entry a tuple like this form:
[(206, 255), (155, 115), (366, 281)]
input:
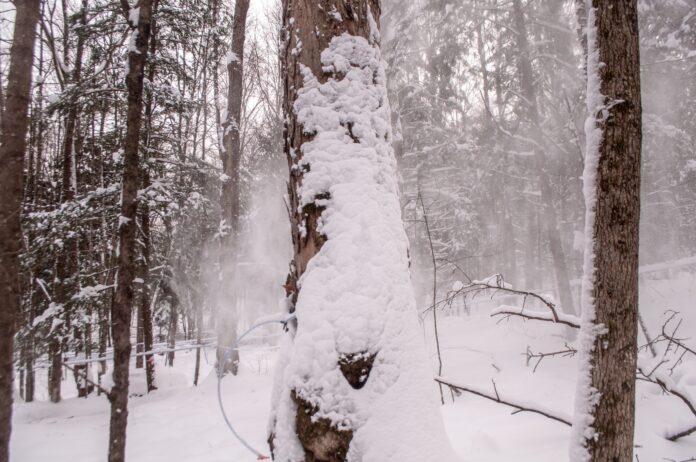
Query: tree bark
[(12, 152), (327, 45), (311, 27), (612, 193), (123, 300), (145, 310), (227, 357)]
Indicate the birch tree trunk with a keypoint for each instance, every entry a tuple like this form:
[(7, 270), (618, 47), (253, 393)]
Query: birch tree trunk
[(126, 262), (605, 401), (354, 354), (12, 150)]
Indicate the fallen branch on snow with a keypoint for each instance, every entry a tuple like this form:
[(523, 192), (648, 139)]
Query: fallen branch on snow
[(671, 388), (519, 407)]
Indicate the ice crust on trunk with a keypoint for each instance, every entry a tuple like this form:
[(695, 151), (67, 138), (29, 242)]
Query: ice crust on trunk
[(356, 295)]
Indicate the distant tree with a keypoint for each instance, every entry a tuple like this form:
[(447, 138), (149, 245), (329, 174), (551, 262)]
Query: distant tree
[(230, 198), (12, 154), (605, 401)]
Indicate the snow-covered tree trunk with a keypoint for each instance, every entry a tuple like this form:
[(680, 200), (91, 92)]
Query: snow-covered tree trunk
[(604, 410), (230, 200), (12, 146), (353, 382), (139, 22)]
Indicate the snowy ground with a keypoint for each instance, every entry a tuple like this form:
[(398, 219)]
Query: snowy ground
[(180, 422)]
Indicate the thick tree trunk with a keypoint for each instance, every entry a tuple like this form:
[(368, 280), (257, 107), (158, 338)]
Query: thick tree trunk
[(605, 404), (123, 300), (549, 215), (332, 392), (227, 357), (12, 149)]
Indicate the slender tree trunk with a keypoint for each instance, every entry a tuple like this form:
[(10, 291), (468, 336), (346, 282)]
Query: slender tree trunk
[(199, 339), (123, 300), (12, 151), (171, 332), (30, 378), (139, 328), (550, 224), (605, 403), (227, 357), (145, 309), (66, 263)]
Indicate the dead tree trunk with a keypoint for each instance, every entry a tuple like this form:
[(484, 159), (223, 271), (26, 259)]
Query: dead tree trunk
[(12, 148), (549, 215), (227, 357), (605, 403), (139, 24), (337, 382)]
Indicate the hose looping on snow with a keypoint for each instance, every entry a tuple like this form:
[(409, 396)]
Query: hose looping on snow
[(220, 375)]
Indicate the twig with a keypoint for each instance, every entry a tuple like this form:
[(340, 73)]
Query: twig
[(647, 336), (479, 286), (517, 406), (568, 352), (537, 317), (432, 252)]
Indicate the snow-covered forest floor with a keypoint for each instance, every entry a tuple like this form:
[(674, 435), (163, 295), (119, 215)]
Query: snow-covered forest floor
[(180, 422)]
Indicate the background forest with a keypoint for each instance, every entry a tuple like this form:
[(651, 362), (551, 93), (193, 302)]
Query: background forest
[(483, 200)]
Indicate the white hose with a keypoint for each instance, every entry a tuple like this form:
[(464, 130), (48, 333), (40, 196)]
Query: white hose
[(284, 322)]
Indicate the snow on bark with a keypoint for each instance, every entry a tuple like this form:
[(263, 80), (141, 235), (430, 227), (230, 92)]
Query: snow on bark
[(586, 396), (356, 296)]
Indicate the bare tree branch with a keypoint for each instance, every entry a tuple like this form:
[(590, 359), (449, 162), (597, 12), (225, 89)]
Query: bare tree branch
[(566, 353), (571, 321), (519, 407)]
